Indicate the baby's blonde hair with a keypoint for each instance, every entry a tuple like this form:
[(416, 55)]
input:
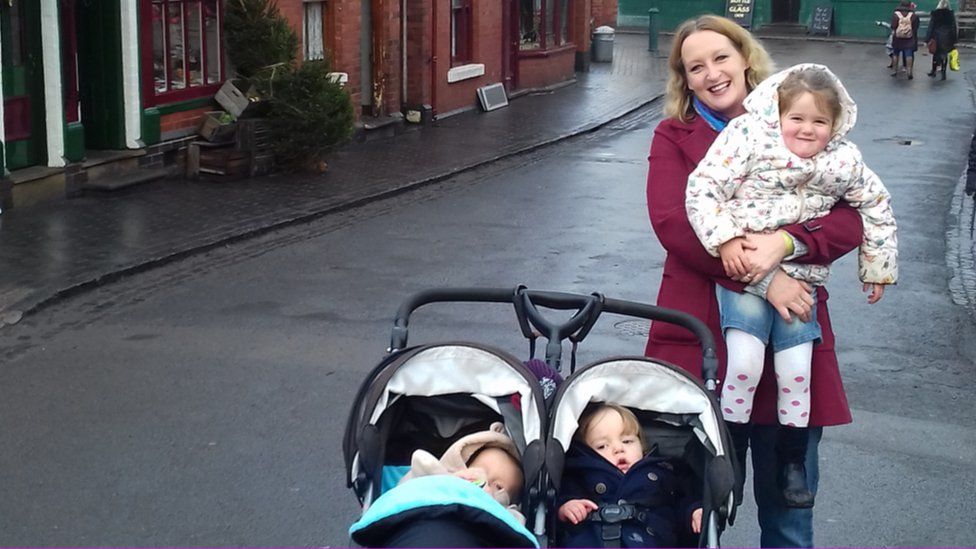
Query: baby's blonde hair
[(817, 83), (677, 102), (631, 424)]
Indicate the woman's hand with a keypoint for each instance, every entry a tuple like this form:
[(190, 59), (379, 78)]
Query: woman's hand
[(575, 511), (787, 294), (763, 252)]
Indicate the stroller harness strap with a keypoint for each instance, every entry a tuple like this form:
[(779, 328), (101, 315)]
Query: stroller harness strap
[(613, 515)]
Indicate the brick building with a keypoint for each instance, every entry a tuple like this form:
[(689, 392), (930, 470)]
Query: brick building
[(97, 89)]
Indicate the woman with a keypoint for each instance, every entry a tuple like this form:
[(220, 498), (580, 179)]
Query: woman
[(713, 65), (904, 42), (942, 29)]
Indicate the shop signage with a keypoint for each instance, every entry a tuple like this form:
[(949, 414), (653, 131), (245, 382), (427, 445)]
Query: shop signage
[(739, 11), (821, 20)]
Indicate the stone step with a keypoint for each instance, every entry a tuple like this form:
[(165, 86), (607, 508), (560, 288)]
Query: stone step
[(123, 181)]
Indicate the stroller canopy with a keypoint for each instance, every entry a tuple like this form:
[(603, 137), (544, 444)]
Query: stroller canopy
[(639, 383)]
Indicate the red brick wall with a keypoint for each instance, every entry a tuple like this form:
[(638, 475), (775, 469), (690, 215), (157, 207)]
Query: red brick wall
[(581, 24), (536, 71), (486, 47), (604, 12), (387, 56), (342, 21), (182, 120), (418, 52)]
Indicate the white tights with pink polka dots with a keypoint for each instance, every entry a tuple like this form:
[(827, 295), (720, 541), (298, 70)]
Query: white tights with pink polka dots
[(745, 364)]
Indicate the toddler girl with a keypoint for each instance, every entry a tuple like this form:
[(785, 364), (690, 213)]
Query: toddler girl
[(786, 160)]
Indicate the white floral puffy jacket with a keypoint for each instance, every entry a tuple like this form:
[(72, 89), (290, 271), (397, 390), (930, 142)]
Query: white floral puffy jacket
[(750, 182)]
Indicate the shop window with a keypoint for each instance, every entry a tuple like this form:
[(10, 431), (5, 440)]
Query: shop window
[(313, 40), (461, 30), (543, 23), (186, 49)]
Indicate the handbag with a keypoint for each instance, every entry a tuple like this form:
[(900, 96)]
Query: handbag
[(932, 46), (954, 59)]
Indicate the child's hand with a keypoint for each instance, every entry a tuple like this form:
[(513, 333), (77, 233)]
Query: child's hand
[(576, 510), (476, 475), (877, 292), (696, 518), (734, 259)]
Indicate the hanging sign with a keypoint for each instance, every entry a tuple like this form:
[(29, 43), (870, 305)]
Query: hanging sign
[(739, 11)]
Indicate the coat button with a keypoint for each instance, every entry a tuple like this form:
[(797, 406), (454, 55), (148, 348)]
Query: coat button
[(600, 488), (651, 477)]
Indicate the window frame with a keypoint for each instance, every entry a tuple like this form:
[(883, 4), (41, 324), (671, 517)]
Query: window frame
[(549, 20), (322, 5), (462, 31), (150, 96)]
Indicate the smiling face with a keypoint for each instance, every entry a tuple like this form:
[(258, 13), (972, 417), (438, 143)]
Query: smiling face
[(806, 126), (715, 71), (609, 435)]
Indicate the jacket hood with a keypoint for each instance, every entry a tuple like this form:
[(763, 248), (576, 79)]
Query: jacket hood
[(764, 100), (459, 454)]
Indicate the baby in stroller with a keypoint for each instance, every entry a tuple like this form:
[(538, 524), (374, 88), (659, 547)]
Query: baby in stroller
[(488, 459), (609, 462)]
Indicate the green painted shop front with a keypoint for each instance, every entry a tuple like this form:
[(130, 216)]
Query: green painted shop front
[(854, 18)]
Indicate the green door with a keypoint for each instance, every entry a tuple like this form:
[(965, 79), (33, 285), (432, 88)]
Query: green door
[(99, 38), (25, 141)]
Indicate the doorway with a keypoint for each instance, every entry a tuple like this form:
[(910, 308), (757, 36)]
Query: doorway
[(97, 32), (785, 11), (25, 139)]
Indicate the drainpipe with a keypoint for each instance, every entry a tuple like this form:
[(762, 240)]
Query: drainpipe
[(433, 58), (403, 52)]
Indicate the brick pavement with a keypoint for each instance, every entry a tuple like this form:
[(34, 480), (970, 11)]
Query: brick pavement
[(56, 249)]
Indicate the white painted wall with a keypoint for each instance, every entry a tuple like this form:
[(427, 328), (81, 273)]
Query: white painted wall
[(132, 106), (53, 99)]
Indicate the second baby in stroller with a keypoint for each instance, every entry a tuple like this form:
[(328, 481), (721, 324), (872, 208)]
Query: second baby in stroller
[(609, 468)]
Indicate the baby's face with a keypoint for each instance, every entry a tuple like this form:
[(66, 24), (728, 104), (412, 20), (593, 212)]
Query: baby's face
[(607, 436), (502, 471), (806, 128)]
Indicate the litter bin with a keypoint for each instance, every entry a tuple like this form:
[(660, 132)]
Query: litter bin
[(603, 44)]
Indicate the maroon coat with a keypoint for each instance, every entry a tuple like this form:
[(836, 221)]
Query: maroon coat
[(690, 273), (911, 42)]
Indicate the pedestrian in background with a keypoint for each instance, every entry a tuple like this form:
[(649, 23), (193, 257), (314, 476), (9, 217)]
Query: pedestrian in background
[(941, 37), (904, 24), (714, 63)]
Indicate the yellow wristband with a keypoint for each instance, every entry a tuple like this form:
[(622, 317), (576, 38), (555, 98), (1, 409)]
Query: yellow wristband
[(790, 248)]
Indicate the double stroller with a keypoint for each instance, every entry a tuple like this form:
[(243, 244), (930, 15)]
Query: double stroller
[(428, 396)]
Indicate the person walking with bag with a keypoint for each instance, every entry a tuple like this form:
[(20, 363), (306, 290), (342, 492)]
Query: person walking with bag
[(904, 24), (941, 37), (714, 63)]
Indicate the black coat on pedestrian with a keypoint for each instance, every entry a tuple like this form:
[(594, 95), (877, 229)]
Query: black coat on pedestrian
[(665, 492), (942, 28)]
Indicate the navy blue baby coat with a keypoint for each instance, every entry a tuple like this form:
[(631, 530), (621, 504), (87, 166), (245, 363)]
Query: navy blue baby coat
[(664, 492)]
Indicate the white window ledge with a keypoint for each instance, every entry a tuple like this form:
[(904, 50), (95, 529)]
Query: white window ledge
[(464, 72)]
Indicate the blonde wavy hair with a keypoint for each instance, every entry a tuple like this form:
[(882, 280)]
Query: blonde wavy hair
[(677, 102)]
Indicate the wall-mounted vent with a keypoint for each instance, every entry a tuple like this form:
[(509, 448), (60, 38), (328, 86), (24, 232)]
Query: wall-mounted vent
[(492, 96)]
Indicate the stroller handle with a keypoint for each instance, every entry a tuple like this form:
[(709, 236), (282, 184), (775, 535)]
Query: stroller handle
[(586, 314)]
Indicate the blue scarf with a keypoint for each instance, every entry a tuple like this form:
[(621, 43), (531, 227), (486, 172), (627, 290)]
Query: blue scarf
[(714, 119)]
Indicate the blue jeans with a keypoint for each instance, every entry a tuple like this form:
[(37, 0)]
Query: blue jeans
[(781, 526)]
